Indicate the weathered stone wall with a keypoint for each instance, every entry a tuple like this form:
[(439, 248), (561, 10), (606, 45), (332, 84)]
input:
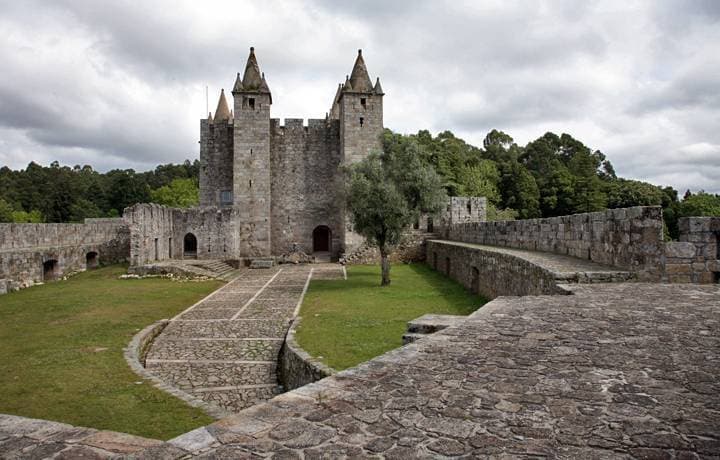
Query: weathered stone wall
[(24, 248), (216, 161), (158, 233), (296, 367), (490, 274), (696, 257), (307, 193), (629, 238), (464, 209)]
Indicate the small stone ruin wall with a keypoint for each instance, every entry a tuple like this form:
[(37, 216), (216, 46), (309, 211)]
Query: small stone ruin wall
[(158, 233), (695, 258), (33, 253), (489, 273), (629, 238)]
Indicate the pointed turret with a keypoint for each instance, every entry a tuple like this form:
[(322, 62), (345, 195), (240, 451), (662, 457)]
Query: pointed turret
[(263, 85), (210, 118), (359, 78), (223, 111), (238, 86), (347, 86), (378, 89), (252, 79)]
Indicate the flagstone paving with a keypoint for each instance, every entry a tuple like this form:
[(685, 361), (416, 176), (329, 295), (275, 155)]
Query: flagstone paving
[(224, 349)]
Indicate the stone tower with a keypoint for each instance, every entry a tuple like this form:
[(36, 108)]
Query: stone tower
[(361, 113), (251, 158)]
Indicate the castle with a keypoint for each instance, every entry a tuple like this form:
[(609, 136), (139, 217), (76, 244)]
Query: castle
[(284, 183)]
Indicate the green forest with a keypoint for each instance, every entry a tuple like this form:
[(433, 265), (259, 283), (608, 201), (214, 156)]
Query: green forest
[(550, 176)]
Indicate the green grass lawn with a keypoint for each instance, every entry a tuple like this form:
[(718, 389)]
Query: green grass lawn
[(61, 352), (349, 322)]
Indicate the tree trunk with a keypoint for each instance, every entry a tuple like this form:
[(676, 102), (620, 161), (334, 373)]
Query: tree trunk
[(385, 265)]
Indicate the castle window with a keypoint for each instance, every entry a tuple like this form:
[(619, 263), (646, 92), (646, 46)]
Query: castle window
[(250, 183), (251, 102), (363, 101), (362, 120), (226, 197)]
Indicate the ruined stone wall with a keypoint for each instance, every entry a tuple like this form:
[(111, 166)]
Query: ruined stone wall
[(490, 274), (629, 238), (24, 248), (464, 209), (696, 257), (216, 161), (158, 233), (307, 183)]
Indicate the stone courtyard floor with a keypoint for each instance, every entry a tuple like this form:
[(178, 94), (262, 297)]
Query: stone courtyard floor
[(613, 371), (624, 370), (224, 349)]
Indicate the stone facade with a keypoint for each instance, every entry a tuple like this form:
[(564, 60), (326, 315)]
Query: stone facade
[(33, 253), (284, 183)]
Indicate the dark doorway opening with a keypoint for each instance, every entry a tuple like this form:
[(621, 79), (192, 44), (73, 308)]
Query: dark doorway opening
[(447, 266), (321, 239), (475, 286), (430, 227), (91, 260), (190, 246), (51, 270)]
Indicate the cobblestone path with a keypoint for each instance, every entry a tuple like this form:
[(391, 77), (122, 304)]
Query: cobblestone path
[(224, 349)]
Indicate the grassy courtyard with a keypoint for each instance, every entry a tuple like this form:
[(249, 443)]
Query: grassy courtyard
[(61, 352), (349, 322)]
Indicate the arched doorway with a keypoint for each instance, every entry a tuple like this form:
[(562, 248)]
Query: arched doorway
[(190, 246), (91, 260), (51, 270), (321, 239)]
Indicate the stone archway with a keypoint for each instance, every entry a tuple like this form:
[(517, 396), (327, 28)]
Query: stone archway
[(51, 270), (190, 246), (322, 239), (91, 260)]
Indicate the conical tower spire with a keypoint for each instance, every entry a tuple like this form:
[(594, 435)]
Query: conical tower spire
[(238, 86), (252, 79), (378, 89), (223, 111), (359, 78)]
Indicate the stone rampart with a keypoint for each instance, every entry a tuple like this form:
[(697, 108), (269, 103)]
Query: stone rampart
[(491, 273), (33, 253), (628, 238)]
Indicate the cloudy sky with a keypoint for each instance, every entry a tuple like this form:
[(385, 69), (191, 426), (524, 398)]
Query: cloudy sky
[(121, 84)]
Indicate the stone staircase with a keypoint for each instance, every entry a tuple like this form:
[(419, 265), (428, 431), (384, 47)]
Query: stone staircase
[(411, 249), (203, 268), (217, 268), (429, 324)]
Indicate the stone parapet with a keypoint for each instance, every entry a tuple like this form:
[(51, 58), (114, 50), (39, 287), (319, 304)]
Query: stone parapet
[(696, 257), (296, 367)]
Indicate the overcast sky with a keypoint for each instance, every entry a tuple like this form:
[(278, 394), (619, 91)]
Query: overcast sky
[(121, 84)]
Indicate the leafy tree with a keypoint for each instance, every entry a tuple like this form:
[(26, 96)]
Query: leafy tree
[(519, 190), (625, 193), (480, 180), (700, 204), (387, 192), (33, 217), (181, 193), (5, 211)]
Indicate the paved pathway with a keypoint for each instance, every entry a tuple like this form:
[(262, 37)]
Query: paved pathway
[(224, 349), (625, 370)]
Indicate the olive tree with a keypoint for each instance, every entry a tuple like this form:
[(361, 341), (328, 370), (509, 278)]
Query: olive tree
[(387, 192)]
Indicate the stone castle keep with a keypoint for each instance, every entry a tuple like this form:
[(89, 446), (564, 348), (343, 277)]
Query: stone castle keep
[(276, 185)]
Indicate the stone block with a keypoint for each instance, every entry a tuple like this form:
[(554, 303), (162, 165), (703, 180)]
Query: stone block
[(675, 269), (684, 250)]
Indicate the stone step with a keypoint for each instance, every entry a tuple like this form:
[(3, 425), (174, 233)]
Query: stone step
[(190, 375), (428, 324), (262, 263), (237, 399), (410, 338), (166, 348)]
